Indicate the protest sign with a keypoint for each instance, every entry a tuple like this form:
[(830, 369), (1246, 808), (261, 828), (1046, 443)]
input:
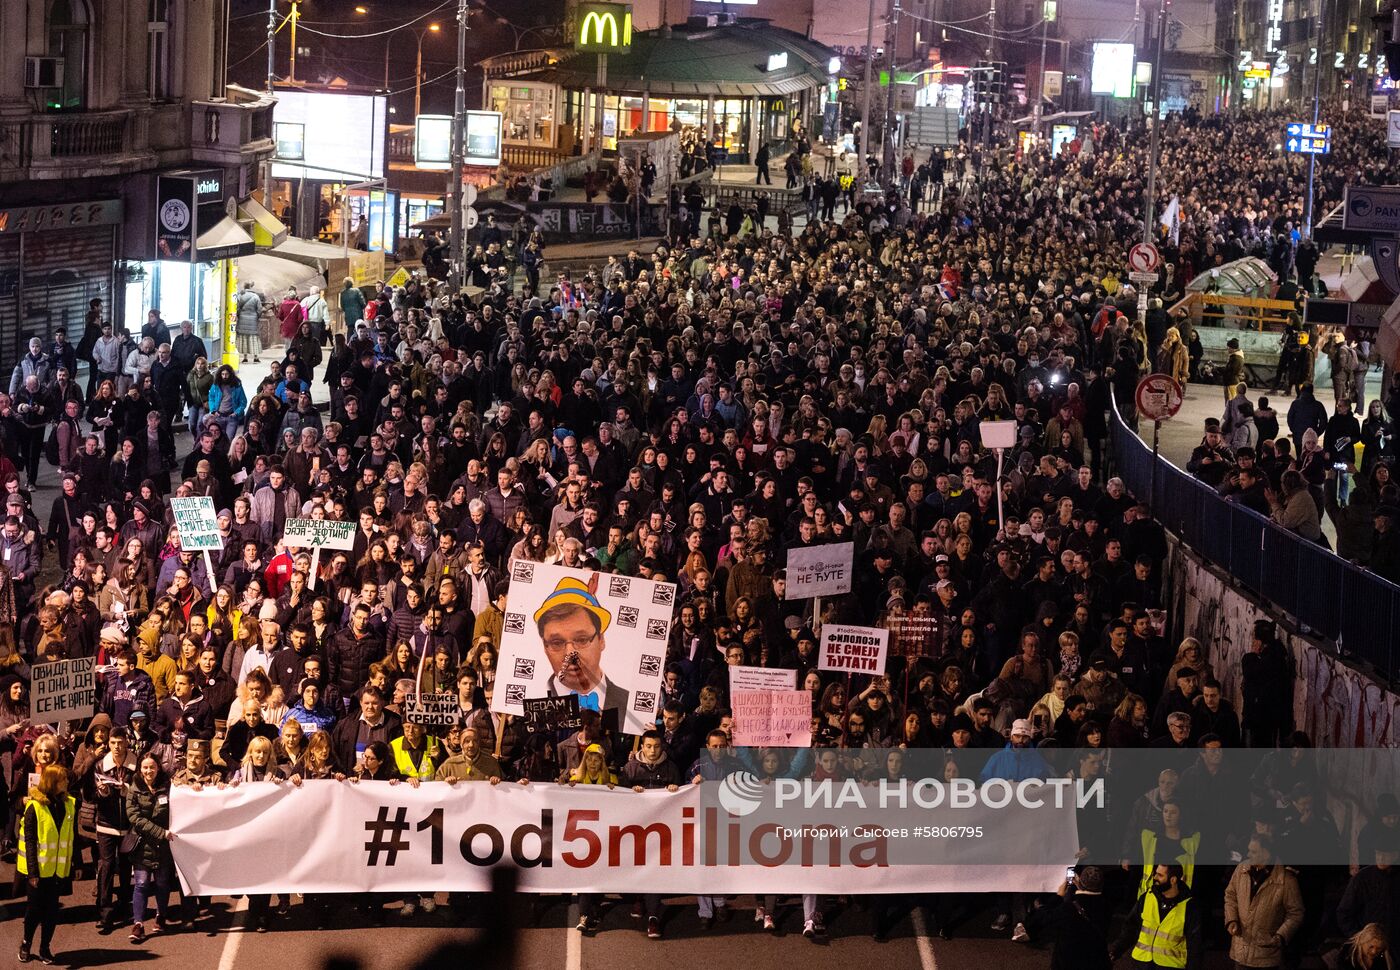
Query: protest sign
[(436, 712), (319, 534), (854, 649), (918, 633), (772, 718), (552, 714), (819, 570), (597, 635), (762, 678), (199, 529), (62, 691)]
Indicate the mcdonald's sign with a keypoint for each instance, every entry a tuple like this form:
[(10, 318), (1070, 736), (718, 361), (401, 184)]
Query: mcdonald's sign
[(603, 28)]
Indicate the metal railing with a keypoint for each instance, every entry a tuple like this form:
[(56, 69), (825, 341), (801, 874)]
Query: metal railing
[(1354, 610)]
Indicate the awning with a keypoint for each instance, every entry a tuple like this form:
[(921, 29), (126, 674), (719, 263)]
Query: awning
[(272, 274), (268, 230), (317, 255), (222, 240), (440, 221)]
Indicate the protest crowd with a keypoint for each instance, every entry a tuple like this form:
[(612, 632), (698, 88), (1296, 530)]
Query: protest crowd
[(694, 417)]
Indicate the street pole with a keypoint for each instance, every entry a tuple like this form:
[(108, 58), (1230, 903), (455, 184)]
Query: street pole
[(417, 81), (292, 73), (1155, 139), (991, 57), (887, 139), (864, 146), (271, 43), (459, 123), (1040, 84), (1312, 158)]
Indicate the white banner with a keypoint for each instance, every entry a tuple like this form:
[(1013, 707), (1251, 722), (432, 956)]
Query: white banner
[(374, 837), (854, 649), (62, 691), (319, 534), (762, 678), (819, 570), (198, 523), (597, 635)]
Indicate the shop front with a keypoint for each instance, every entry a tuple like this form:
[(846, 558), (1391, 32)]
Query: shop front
[(739, 84), (54, 260)]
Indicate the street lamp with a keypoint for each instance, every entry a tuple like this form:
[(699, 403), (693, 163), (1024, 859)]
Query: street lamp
[(418, 71)]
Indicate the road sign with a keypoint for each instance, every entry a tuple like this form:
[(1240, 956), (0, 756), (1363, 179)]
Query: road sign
[(1392, 129), (469, 194), (1144, 258), (1158, 397), (1305, 139), (1372, 207), (470, 218), (1143, 277)]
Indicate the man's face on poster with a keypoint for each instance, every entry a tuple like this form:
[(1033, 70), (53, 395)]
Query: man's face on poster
[(574, 646)]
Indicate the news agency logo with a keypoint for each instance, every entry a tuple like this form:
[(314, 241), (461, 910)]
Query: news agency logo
[(741, 794)]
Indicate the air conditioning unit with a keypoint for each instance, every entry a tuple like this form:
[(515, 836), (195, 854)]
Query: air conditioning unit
[(43, 72)]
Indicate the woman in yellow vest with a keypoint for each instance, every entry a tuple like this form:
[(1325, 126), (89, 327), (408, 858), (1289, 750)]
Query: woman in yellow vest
[(46, 856), (1170, 844), (592, 770)]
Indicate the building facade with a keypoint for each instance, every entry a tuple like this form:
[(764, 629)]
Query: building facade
[(98, 98)]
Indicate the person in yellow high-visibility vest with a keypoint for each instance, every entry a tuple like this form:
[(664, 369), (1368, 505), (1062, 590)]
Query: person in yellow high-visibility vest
[(1171, 844), (1165, 929), (416, 754), (46, 856)]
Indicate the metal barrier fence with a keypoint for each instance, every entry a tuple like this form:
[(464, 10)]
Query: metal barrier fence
[(1354, 610)]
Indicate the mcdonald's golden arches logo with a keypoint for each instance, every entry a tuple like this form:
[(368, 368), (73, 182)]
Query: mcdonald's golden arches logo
[(603, 28)]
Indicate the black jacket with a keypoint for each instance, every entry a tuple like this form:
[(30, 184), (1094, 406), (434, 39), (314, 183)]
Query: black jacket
[(345, 738)]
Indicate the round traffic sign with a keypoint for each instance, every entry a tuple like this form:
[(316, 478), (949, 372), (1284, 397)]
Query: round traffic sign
[(1158, 397), (470, 218), (1144, 258)]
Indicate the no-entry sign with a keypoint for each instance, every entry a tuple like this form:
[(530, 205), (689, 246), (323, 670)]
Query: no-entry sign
[(1158, 397)]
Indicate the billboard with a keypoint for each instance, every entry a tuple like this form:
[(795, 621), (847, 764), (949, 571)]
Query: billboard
[(1112, 70), (329, 136), (432, 142), (603, 28), (482, 144), (598, 636)]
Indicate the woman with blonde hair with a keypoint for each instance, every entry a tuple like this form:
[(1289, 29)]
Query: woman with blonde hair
[(46, 857), (592, 770), (1367, 949), (1173, 358)]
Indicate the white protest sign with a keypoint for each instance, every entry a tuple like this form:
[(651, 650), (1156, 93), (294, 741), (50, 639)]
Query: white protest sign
[(436, 712), (319, 534), (762, 678), (854, 649), (198, 523), (772, 718), (819, 570), (62, 691)]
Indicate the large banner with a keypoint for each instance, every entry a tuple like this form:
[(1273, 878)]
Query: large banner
[(735, 836), (597, 635)]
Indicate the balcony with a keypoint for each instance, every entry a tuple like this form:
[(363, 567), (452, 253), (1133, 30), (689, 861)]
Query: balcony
[(232, 130), (76, 145)]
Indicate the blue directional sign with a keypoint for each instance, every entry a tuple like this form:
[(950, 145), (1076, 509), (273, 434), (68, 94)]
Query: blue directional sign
[(1306, 139)]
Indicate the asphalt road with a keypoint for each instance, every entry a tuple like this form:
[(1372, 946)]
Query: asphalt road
[(547, 943)]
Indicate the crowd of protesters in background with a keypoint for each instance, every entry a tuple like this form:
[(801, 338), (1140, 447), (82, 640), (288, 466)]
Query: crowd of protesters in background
[(693, 416)]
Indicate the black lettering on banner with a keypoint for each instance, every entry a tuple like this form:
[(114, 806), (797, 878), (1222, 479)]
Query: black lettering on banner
[(650, 666), (522, 571), (644, 701), (619, 586), (524, 668), (627, 616), (514, 623), (515, 693), (386, 835), (433, 821), (656, 629), (493, 838), (663, 595)]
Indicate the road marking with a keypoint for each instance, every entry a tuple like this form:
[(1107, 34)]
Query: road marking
[(234, 938), (573, 941), (926, 958)]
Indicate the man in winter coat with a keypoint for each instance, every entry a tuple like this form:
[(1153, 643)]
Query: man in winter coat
[(649, 768), (127, 688), (1263, 908), (1305, 412)]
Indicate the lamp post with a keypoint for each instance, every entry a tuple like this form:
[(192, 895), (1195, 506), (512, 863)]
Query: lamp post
[(459, 120), (418, 72)]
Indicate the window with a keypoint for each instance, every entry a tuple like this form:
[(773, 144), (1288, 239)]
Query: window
[(68, 41), (158, 49)]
